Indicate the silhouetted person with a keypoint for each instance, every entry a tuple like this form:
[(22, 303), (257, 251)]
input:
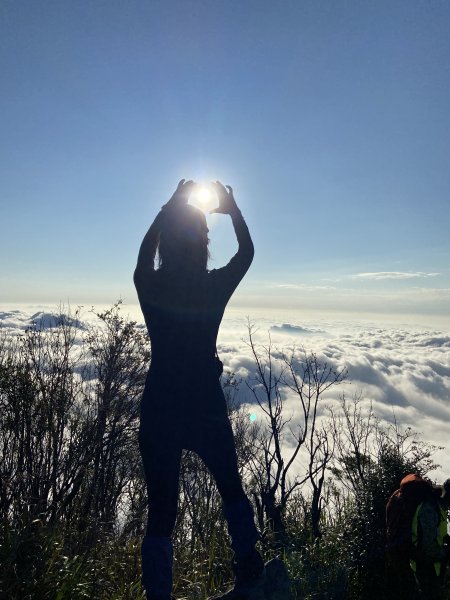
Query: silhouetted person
[(183, 406), (430, 539)]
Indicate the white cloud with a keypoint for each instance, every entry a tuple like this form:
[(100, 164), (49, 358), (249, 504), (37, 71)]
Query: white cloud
[(295, 329), (400, 370), (393, 275), (48, 320), (405, 369), (15, 319), (304, 287)]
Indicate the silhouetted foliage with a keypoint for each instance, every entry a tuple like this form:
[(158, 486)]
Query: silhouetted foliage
[(72, 492)]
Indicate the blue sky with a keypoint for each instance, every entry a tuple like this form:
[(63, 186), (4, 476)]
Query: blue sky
[(330, 119)]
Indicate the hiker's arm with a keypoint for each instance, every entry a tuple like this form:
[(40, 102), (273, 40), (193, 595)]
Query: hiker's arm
[(146, 258), (246, 249), (227, 206), (429, 523)]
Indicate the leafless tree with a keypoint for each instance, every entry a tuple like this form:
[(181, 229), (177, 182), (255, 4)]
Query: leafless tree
[(361, 439), (286, 440)]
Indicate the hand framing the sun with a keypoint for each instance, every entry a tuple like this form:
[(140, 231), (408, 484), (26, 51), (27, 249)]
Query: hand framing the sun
[(181, 195), (227, 203), (180, 198)]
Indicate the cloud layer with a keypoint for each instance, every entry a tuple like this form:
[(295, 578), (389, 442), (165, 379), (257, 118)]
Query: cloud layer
[(402, 371), (394, 275)]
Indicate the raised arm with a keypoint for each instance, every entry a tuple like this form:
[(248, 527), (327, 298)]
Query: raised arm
[(147, 252), (241, 261), (246, 249)]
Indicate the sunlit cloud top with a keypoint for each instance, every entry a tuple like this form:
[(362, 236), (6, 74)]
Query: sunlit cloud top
[(394, 275)]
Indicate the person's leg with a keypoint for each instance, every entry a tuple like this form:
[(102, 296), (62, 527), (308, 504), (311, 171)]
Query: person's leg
[(216, 448), (428, 582), (161, 459), (399, 577)]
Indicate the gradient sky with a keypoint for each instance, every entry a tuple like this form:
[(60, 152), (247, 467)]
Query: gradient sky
[(330, 119)]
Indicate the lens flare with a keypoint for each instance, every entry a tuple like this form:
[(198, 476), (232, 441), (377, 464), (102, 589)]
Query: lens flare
[(204, 198), (203, 195)]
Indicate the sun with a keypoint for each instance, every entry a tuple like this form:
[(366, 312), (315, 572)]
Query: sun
[(203, 195)]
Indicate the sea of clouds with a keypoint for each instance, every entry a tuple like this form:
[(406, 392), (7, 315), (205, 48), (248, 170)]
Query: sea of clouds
[(401, 370)]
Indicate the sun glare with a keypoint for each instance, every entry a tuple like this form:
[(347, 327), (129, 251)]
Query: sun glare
[(203, 198), (204, 195)]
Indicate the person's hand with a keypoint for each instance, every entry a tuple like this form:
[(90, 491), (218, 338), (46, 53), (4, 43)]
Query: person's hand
[(227, 203), (180, 197)]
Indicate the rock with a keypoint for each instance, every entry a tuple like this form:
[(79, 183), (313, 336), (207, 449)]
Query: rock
[(277, 585)]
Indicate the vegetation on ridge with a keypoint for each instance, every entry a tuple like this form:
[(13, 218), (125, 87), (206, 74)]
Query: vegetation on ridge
[(72, 493)]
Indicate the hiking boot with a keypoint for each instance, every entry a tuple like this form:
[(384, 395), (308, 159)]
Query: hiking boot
[(249, 579), (157, 560)]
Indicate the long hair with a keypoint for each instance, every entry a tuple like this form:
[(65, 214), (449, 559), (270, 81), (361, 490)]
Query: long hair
[(183, 241)]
